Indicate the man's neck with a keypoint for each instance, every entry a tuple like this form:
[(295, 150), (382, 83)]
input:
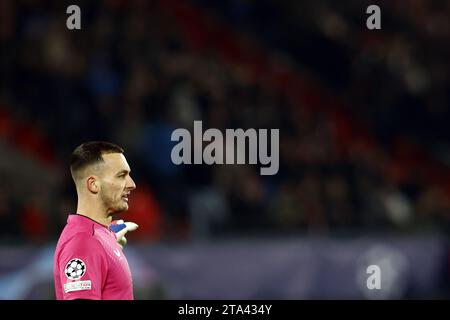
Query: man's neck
[(96, 213)]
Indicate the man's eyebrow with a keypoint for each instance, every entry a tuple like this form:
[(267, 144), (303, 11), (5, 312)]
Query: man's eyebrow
[(123, 171)]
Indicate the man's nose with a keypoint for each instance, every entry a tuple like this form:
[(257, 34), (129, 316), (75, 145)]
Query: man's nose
[(131, 184)]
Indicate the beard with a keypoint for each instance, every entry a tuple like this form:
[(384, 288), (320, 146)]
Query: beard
[(115, 205)]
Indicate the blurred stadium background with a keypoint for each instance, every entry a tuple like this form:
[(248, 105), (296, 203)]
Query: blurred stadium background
[(364, 143)]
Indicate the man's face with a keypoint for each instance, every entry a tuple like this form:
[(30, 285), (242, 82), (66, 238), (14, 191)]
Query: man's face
[(116, 182)]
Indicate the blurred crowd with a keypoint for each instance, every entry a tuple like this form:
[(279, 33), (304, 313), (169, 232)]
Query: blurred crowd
[(131, 76)]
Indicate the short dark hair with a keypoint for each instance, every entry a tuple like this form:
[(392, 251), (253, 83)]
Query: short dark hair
[(90, 153)]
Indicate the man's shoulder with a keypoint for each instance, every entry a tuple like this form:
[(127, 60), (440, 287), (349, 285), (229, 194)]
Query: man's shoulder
[(78, 239)]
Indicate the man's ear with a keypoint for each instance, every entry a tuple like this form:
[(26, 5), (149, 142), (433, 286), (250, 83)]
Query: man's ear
[(92, 184)]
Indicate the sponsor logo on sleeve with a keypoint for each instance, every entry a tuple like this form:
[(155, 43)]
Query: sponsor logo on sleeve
[(77, 286)]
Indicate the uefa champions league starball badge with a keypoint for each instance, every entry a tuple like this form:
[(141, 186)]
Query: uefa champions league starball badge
[(75, 269)]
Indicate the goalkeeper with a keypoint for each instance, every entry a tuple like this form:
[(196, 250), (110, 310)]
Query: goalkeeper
[(89, 262)]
